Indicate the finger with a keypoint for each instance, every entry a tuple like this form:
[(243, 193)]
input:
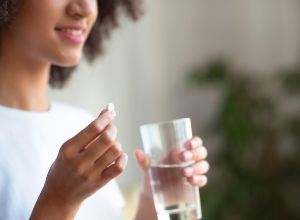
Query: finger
[(100, 145), (142, 159), (199, 181), (193, 143), (197, 154), (108, 157), (94, 129), (102, 112), (115, 169), (196, 169)]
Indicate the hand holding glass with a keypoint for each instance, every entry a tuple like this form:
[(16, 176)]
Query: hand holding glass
[(174, 197)]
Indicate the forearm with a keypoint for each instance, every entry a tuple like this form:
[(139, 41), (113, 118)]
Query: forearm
[(48, 208), (146, 210)]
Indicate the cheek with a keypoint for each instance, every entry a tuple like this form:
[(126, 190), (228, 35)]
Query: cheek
[(95, 9), (46, 44), (94, 15), (35, 35), (30, 38)]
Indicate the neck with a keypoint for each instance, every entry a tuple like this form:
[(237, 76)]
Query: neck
[(23, 81)]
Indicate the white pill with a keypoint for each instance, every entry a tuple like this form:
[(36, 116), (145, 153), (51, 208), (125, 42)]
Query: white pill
[(110, 107)]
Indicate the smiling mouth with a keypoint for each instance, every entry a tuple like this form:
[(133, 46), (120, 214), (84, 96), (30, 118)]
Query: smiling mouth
[(72, 34), (72, 31)]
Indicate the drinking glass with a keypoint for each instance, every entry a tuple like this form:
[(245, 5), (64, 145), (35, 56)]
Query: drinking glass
[(174, 197)]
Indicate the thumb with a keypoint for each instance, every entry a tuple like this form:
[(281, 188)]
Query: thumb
[(142, 159)]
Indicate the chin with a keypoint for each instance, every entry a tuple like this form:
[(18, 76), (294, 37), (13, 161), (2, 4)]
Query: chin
[(70, 62)]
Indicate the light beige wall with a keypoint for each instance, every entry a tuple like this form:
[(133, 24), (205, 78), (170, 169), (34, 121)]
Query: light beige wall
[(143, 69)]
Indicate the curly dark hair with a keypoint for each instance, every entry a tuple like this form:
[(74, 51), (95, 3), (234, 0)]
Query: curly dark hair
[(108, 19)]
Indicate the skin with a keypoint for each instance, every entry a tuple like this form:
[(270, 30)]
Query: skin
[(83, 164)]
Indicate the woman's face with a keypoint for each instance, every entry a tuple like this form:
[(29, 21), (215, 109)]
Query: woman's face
[(53, 31)]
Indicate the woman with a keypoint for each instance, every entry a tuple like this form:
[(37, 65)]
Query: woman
[(41, 42)]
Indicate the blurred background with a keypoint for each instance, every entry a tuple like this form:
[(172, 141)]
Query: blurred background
[(233, 67)]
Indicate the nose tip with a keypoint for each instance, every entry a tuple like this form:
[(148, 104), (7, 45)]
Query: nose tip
[(81, 8)]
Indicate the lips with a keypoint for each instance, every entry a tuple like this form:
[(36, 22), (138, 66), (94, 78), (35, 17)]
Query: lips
[(73, 33)]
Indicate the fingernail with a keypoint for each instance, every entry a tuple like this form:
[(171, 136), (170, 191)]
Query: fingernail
[(203, 152), (202, 166), (188, 171), (137, 154), (197, 178), (119, 146), (110, 107), (124, 160), (187, 155), (195, 143)]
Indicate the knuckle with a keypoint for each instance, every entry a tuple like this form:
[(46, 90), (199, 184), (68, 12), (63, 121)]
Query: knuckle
[(106, 138), (119, 169), (104, 179), (65, 152), (95, 128), (86, 177), (100, 182), (78, 169), (64, 147), (190, 179), (109, 136), (112, 130), (116, 150)]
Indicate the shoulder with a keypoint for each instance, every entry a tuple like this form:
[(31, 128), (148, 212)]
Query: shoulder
[(70, 119), (68, 111)]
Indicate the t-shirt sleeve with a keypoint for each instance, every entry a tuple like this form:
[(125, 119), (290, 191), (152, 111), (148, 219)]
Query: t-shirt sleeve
[(106, 203), (4, 196), (117, 195), (1, 194)]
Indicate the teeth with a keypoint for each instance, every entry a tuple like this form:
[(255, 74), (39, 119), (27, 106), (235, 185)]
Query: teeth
[(73, 31)]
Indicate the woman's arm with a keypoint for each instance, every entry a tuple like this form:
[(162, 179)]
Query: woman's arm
[(146, 209), (48, 208)]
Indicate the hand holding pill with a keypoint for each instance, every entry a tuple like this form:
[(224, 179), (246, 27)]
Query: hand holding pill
[(86, 162)]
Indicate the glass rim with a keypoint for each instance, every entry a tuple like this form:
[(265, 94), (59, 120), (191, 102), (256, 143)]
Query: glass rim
[(161, 123)]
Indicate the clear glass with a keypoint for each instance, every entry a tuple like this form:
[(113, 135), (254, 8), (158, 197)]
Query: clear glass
[(174, 198)]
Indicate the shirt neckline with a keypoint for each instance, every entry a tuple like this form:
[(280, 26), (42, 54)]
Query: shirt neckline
[(25, 114)]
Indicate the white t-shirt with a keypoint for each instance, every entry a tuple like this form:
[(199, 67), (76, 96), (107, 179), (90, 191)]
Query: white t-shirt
[(29, 143)]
